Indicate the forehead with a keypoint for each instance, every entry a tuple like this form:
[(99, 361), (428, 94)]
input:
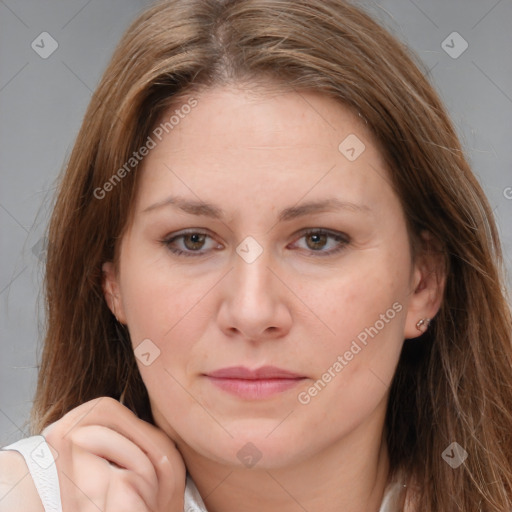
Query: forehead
[(237, 117), (276, 146)]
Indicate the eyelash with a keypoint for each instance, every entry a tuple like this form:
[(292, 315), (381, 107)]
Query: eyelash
[(339, 237)]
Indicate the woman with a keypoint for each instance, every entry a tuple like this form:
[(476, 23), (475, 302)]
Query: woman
[(270, 372)]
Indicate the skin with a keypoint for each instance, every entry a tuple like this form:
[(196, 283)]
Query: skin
[(106, 459), (254, 154)]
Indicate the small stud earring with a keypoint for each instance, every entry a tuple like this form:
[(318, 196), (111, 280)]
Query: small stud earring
[(422, 325)]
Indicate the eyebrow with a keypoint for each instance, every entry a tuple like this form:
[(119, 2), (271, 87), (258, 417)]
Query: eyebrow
[(201, 208)]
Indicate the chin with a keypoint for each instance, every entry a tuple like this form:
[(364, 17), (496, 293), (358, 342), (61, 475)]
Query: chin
[(255, 446)]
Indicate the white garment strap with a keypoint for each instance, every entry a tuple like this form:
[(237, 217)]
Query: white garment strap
[(193, 501), (41, 464), (393, 499)]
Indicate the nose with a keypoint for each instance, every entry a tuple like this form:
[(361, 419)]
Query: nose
[(255, 303)]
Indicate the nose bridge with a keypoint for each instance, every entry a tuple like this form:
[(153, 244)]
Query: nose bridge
[(251, 273), (252, 302)]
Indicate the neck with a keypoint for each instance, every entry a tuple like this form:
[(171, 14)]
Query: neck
[(349, 475)]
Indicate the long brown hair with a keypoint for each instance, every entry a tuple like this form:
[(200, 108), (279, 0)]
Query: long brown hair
[(454, 384)]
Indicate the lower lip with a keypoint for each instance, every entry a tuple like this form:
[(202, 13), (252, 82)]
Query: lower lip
[(254, 389)]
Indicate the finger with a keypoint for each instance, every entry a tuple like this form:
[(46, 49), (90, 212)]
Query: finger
[(112, 446), (159, 448), (122, 497), (110, 413), (171, 484)]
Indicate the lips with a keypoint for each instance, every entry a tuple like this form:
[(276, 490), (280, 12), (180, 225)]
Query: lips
[(263, 373), (259, 384)]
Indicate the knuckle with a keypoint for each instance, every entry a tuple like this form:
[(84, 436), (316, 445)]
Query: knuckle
[(80, 411), (89, 411), (108, 405), (105, 404)]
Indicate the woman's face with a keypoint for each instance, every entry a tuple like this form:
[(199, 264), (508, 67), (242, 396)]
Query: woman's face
[(265, 277)]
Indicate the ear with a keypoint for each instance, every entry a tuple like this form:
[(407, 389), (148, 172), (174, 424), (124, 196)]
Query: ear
[(427, 284), (111, 291)]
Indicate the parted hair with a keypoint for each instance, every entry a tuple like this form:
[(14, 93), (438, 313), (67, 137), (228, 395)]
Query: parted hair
[(454, 383)]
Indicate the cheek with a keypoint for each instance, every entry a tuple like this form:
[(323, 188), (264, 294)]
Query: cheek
[(159, 299), (355, 299), (172, 310), (364, 309)]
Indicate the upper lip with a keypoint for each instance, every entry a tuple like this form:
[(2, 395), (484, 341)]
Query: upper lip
[(265, 372)]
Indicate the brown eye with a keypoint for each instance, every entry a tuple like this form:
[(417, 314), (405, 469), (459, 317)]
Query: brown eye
[(196, 241), (192, 243), (317, 240)]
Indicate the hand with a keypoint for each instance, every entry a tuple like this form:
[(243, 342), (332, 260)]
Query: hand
[(110, 460)]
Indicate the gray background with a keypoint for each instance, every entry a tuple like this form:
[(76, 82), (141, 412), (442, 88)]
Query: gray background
[(42, 102)]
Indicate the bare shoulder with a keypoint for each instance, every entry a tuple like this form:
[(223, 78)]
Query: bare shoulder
[(17, 490)]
